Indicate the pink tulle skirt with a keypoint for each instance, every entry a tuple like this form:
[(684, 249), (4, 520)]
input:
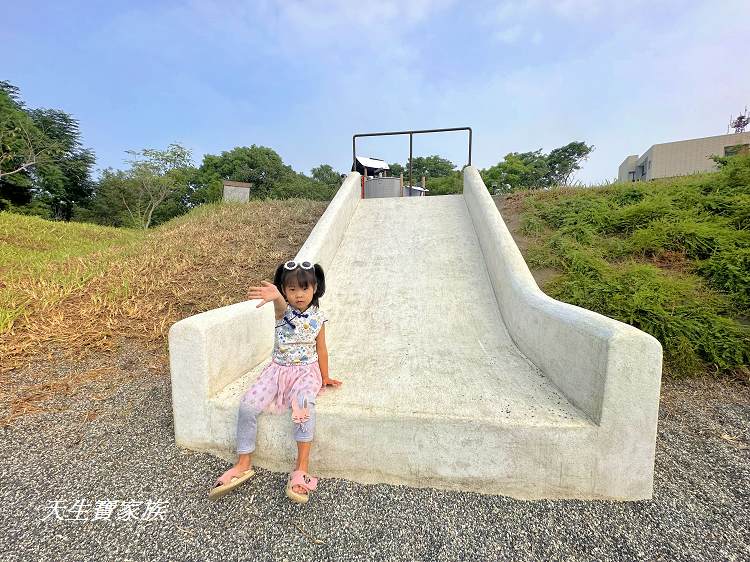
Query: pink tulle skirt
[(277, 385)]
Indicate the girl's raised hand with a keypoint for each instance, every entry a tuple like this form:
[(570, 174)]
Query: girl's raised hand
[(267, 293)]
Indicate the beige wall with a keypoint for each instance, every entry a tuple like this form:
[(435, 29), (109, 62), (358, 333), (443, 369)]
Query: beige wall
[(627, 166), (680, 158), (241, 194)]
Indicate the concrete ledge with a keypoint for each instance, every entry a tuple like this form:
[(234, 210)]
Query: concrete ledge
[(328, 233), (206, 352), (448, 452), (610, 370)]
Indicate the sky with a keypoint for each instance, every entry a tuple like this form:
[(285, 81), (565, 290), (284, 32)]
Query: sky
[(302, 77)]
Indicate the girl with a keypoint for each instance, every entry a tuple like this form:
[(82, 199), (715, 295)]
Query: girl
[(297, 373)]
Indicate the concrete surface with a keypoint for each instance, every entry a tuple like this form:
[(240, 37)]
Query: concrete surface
[(459, 373)]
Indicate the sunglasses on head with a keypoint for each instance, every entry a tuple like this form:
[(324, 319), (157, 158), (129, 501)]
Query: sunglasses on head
[(291, 265)]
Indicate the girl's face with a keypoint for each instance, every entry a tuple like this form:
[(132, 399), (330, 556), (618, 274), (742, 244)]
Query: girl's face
[(298, 297)]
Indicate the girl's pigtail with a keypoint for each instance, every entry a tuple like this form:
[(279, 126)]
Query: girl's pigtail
[(320, 280), (278, 279)]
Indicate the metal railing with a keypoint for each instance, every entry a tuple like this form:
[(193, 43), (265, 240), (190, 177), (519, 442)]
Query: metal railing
[(411, 138)]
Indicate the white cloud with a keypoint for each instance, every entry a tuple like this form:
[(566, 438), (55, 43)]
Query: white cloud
[(511, 16), (582, 9), (509, 35), (331, 14)]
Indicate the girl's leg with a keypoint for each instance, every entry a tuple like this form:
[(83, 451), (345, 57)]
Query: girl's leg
[(303, 455), (247, 427), (303, 435), (257, 397)]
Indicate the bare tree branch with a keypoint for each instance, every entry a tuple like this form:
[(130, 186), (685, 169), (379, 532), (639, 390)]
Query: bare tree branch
[(33, 154)]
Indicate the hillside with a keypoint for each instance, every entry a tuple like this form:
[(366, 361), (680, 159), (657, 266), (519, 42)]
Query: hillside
[(671, 257), (117, 286), (35, 248)]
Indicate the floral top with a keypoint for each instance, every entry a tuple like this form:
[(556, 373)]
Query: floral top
[(296, 331)]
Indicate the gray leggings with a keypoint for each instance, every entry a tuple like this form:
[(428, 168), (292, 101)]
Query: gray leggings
[(247, 422)]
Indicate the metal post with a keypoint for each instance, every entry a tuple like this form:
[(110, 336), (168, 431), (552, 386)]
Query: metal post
[(401, 185), (470, 147), (411, 136)]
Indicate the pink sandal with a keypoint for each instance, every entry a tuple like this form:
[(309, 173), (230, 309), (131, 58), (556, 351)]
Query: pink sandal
[(228, 481), (300, 478)]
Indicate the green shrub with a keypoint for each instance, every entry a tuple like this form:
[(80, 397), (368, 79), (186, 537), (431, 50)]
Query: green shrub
[(445, 185), (700, 240), (608, 242), (681, 312), (634, 216), (730, 272)]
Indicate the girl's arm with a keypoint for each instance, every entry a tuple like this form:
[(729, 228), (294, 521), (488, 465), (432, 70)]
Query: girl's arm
[(267, 293), (322, 349)]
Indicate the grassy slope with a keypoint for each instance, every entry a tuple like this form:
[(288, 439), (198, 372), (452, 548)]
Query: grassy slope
[(31, 242), (135, 285), (52, 254), (671, 257)]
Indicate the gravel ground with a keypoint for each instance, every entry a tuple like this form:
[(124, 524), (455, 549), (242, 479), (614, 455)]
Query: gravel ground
[(122, 448)]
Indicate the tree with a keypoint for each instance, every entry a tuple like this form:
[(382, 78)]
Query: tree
[(156, 175), (536, 170), (519, 170), (258, 165), (41, 157), (63, 180), (445, 185), (265, 169), (326, 175), (431, 166), (563, 162), (396, 169), (22, 147), (301, 186), (114, 193), (179, 200)]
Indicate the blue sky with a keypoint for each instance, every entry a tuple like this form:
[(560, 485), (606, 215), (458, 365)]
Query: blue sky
[(302, 77)]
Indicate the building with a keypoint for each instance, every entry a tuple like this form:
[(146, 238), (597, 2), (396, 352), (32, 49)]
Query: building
[(236, 191), (370, 167), (391, 187), (681, 158), (382, 187)]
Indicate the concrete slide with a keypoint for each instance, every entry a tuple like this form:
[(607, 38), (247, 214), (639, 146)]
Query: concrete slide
[(459, 373)]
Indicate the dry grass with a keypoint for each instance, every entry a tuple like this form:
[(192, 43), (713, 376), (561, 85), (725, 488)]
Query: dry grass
[(32, 248), (197, 262), (30, 399)]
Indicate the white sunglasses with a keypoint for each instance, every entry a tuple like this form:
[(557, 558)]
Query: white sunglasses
[(291, 265)]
